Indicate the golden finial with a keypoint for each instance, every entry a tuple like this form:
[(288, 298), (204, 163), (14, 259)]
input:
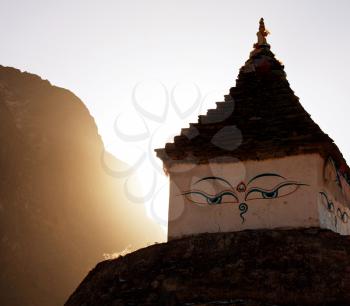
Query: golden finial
[(262, 34)]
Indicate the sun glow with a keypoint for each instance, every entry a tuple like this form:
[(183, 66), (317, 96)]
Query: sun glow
[(155, 115)]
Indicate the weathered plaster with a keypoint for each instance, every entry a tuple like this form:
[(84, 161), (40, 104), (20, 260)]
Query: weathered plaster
[(201, 203)]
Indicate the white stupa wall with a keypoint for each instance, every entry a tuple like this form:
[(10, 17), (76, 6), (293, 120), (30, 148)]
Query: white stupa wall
[(288, 192), (334, 200)]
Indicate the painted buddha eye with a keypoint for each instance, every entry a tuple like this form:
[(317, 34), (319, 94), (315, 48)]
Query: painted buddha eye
[(201, 197), (270, 195), (329, 204), (214, 200), (280, 190)]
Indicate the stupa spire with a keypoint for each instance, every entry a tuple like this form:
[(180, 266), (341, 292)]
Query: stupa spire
[(261, 127), (262, 34)]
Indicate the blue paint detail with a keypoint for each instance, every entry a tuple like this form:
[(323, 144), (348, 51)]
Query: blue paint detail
[(271, 194), (217, 199), (212, 200)]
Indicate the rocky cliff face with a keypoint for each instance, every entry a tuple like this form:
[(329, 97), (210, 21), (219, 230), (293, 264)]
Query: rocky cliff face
[(59, 210), (256, 268)]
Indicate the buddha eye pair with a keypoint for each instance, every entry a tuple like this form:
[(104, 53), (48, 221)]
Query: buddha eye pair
[(228, 196)]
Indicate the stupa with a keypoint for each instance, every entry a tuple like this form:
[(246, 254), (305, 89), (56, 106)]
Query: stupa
[(257, 161)]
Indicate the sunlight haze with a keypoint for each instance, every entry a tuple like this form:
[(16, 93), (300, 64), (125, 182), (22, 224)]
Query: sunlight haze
[(145, 69)]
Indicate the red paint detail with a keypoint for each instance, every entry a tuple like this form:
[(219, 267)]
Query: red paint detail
[(241, 187)]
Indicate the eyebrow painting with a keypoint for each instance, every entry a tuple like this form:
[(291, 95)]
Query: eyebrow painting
[(213, 178), (264, 175)]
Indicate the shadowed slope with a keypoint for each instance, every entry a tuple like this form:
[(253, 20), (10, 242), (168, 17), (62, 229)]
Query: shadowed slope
[(59, 210), (256, 268)]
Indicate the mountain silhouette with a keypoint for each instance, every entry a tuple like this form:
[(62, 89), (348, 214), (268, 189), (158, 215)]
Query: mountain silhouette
[(59, 210)]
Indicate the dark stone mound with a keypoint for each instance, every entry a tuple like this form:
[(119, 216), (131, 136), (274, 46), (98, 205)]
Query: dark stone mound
[(255, 268)]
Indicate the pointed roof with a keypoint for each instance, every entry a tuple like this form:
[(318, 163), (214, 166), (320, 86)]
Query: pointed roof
[(260, 118)]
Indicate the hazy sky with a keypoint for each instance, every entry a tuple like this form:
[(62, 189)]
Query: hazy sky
[(101, 49)]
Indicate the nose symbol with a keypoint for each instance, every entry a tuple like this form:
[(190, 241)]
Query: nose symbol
[(243, 208)]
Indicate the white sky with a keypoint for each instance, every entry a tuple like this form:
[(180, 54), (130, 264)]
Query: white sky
[(101, 49)]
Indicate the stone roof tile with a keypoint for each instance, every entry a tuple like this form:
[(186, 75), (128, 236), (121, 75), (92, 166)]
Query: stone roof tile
[(261, 118)]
